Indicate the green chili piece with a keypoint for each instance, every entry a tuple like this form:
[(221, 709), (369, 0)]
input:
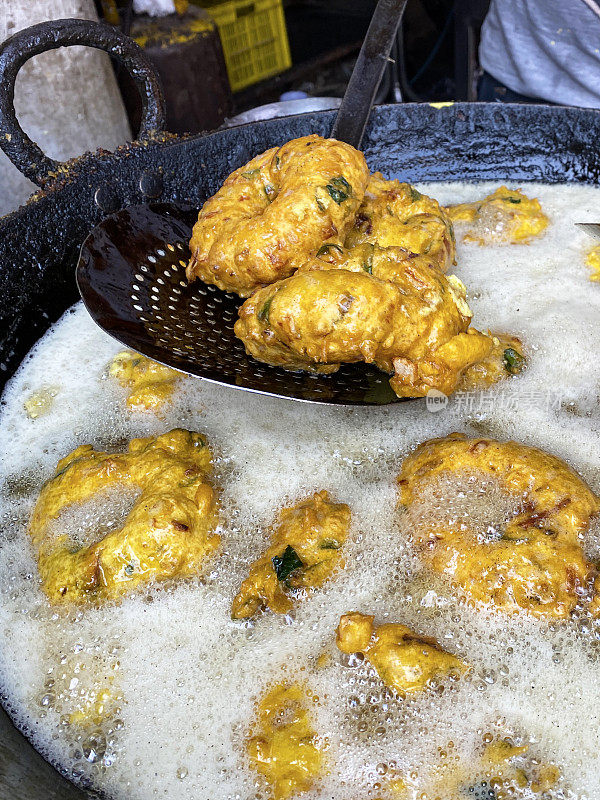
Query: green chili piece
[(286, 563), (514, 200), (325, 248), (513, 361), (339, 189), (263, 314), (330, 544), (415, 194), (251, 173), (368, 264)]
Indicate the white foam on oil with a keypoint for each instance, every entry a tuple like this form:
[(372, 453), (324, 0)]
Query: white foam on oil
[(185, 678)]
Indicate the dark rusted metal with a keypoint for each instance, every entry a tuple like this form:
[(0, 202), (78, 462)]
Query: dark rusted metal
[(372, 60), (15, 51), (187, 55)]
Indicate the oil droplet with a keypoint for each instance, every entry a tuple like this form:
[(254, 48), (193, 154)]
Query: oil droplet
[(94, 747)]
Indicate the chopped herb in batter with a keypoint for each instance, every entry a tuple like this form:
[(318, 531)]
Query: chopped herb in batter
[(286, 563), (513, 361)]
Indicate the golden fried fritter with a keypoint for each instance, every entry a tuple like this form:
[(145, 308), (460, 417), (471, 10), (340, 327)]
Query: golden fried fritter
[(537, 564), (501, 770), (275, 212), (395, 214), (507, 357), (284, 746), (150, 384), (304, 552), (167, 534), (405, 661), (592, 261), (417, 326), (505, 217)]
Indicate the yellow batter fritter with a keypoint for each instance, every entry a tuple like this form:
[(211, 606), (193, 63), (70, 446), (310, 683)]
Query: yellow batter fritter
[(505, 217), (275, 212), (169, 532), (395, 214), (405, 661), (304, 552), (150, 384), (506, 358), (416, 327), (537, 563), (284, 747)]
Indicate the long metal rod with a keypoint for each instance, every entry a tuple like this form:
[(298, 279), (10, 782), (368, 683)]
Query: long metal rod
[(355, 109)]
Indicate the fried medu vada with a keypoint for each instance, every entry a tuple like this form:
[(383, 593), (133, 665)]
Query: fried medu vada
[(304, 552), (169, 532), (395, 214), (284, 747), (535, 561), (416, 327), (505, 217), (273, 213), (405, 661)]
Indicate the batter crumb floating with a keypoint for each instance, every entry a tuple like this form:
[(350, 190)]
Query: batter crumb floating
[(150, 384)]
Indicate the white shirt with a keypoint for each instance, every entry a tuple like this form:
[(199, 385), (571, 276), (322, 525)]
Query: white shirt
[(547, 49)]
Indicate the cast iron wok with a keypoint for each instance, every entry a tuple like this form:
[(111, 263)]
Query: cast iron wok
[(39, 243)]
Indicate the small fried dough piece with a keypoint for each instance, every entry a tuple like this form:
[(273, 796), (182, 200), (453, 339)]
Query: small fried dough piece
[(505, 217), (283, 747), (150, 384), (592, 260), (538, 564), (507, 357), (395, 214), (417, 326), (304, 553), (405, 661), (273, 213), (167, 534), (501, 770)]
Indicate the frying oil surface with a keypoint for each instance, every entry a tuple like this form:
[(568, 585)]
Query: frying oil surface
[(154, 696)]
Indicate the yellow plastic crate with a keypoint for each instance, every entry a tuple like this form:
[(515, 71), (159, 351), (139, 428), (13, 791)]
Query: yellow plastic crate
[(254, 39)]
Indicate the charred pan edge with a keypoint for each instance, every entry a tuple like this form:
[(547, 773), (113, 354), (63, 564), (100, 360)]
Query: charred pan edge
[(16, 50)]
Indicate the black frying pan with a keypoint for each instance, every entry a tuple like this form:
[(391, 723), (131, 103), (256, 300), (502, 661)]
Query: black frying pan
[(40, 242)]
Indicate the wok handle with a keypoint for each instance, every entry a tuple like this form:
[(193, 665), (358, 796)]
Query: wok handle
[(25, 154), (355, 110)]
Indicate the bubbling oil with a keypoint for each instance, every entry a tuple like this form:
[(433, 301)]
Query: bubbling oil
[(154, 696)]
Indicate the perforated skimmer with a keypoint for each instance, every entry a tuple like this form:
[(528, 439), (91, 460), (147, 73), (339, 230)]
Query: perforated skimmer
[(131, 276)]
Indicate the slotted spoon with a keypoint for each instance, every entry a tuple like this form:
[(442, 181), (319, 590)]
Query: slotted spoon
[(131, 276)]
